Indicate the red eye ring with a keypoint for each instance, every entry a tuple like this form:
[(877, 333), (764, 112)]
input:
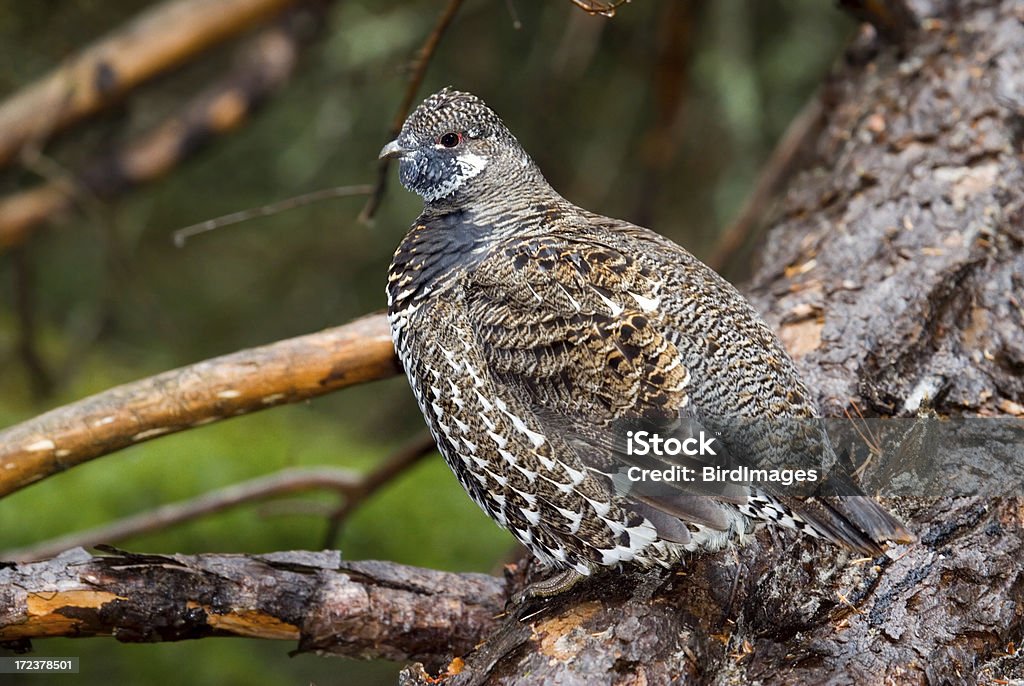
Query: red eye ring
[(450, 139)]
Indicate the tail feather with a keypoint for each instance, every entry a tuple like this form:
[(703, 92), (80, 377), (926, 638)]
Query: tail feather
[(854, 520)]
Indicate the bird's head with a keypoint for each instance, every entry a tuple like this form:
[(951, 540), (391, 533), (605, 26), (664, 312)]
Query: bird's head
[(454, 149)]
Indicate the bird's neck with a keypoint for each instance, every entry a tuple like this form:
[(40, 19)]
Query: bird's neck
[(496, 205)]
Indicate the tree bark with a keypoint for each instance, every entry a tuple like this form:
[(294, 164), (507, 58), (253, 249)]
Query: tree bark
[(359, 609), (289, 371), (894, 272), (895, 269)]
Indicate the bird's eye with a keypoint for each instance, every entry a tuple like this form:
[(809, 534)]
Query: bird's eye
[(450, 139)]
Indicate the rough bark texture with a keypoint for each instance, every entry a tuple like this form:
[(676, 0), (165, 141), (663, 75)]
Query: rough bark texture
[(359, 609), (896, 269), (895, 272)]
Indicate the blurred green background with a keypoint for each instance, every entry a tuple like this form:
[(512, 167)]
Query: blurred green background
[(661, 115)]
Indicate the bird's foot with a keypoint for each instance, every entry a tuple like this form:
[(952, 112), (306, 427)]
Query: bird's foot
[(549, 588)]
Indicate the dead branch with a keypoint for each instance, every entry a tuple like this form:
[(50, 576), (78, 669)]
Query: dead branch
[(415, 79), (604, 9), (154, 42), (264, 65), (286, 481), (180, 236), (359, 609), (247, 381), (355, 489), (404, 458)]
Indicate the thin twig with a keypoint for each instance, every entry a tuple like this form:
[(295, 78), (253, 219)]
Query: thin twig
[(343, 481), (182, 235), (605, 9), (423, 57), (514, 13), (406, 456)]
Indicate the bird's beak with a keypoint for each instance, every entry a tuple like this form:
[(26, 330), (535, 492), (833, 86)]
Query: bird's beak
[(393, 149)]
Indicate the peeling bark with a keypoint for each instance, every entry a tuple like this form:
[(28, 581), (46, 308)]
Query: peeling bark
[(359, 609)]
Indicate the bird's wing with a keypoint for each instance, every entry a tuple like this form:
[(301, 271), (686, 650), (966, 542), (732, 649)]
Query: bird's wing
[(576, 330)]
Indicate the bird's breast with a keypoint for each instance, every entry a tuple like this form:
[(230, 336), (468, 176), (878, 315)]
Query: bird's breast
[(433, 257)]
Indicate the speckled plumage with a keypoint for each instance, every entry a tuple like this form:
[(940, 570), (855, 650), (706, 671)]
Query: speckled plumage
[(531, 329)]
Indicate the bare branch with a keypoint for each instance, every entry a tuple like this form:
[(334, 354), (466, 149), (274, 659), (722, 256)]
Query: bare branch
[(408, 455), (415, 79), (247, 381), (156, 41), (595, 7), (344, 481), (182, 235), (265, 63), (354, 488), (360, 609)]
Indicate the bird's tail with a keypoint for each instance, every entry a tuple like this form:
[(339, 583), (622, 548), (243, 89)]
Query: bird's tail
[(848, 517)]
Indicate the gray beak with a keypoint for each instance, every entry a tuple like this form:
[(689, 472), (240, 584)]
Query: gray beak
[(392, 149)]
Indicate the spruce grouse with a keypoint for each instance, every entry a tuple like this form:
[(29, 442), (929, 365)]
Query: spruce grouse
[(536, 335)]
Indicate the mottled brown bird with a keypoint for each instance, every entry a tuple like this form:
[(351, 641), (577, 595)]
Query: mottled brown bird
[(536, 335)]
